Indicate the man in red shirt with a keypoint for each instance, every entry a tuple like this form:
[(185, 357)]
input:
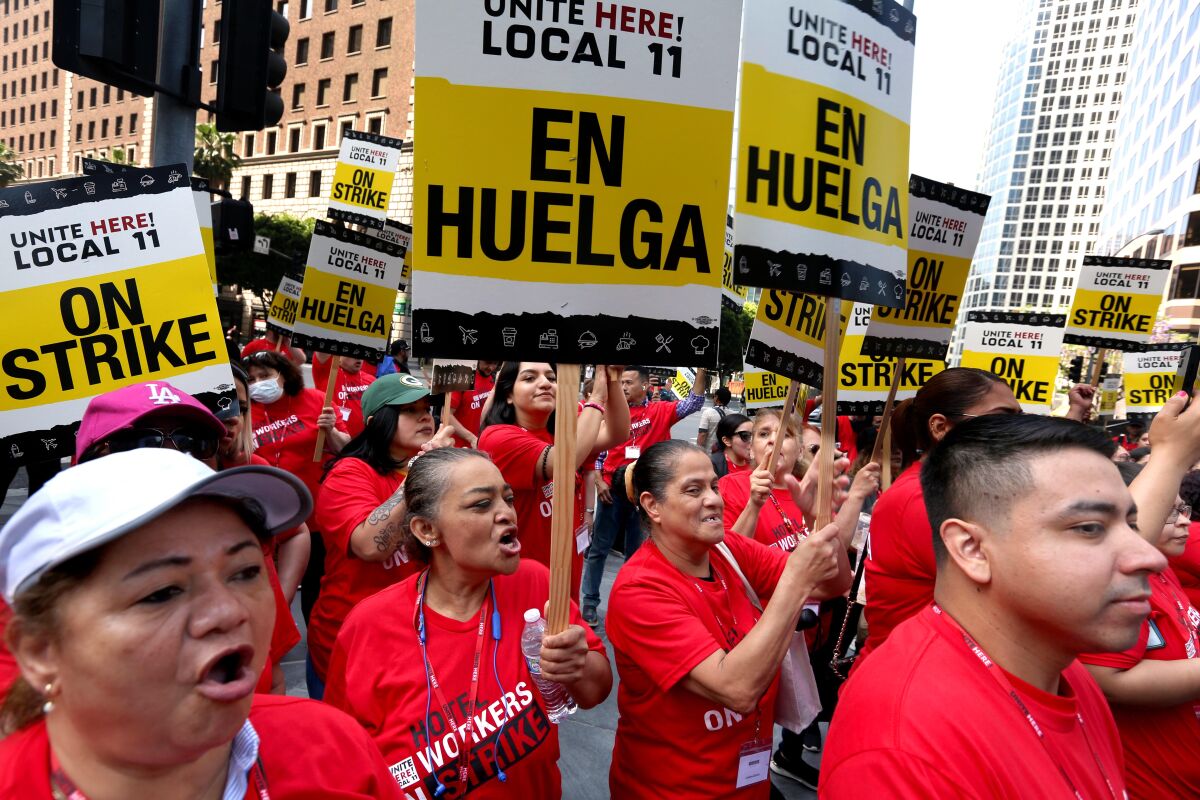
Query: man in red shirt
[(352, 380), (466, 408), (981, 695), (649, 424)]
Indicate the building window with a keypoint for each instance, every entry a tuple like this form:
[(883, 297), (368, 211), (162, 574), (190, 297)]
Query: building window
[(272, 142), (104, 128), (78, 132), (323, 87), (350, 88), (212, 71), (91, 130), (107, 94), (302, 51), (78, 101), (1191, 233), (327, 42), (314, 183), (289, 185), (331, 6), (305, 9), (248, 145), (119, 128), (354, 40), (347, 126), (294, 140), (298, 95), (216, 37), (375, 125), (379, 82), (133, 123), (268, 186), (1187, 283), (245, 187), (318, 137)]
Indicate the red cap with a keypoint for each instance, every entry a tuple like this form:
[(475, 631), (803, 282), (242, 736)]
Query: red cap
[(122, 408)]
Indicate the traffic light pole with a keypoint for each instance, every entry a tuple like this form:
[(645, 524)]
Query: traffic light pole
[(179, 70)]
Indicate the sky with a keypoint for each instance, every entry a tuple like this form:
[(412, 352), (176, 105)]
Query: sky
[(958, 53)]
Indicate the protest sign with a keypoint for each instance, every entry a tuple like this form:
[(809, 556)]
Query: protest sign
[(864, 381), (1110, 386), (763, 389), (362, 180), (348, 294), (284, 304), (398, 234), (822, 198), (104, 285), (732, 295), (945, 227), (452, 376), (558, 213), (788, 336), (1149, 377), (1116, 302), (681, 383), (1023, 349)]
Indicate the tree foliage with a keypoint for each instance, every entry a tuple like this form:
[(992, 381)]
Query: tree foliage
[(215, 158), (735, 332), (258, 273), (10, 170)]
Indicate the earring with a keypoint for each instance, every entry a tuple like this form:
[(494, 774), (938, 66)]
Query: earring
[(48, 706), (431, 543)]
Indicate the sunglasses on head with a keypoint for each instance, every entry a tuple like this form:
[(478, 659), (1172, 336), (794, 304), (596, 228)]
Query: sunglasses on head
[(195, 443)]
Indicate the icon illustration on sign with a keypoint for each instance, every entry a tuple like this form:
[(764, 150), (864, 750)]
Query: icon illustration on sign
[(700, 344), (845, 279), (174, 177), (826, 276), (663, 341), (548, 340), (468, 334), (89, 187), (626, 342), (743, 267), (587, 339), (16, 451), (49, 444), (29, 199), (426, 337), (774, 268), (146, 181), (119, 185), (59, 194), (510, 337)]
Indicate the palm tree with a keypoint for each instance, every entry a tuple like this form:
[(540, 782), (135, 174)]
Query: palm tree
[(10, 170), (215, 158)]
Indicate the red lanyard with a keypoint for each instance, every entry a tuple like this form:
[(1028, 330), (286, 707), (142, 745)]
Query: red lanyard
[(787, 522), (1188, 628), (731, 633), (467, 727), (62, 788), (1006, 685)]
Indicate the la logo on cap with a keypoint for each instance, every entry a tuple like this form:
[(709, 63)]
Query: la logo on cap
[(162, 396)]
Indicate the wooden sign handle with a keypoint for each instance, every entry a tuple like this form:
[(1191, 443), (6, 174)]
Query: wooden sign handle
[(562, 520), (829, 386), (330, 388), (1097, 366), (885, 475), (888, 406), (789, 407)]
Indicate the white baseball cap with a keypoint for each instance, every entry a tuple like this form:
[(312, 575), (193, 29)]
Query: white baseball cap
[(99, 501)]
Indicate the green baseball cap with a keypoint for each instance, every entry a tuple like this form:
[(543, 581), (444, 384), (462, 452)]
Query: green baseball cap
[(397, 389)]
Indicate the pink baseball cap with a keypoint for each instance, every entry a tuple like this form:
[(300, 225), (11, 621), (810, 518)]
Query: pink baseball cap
[(123, 408)]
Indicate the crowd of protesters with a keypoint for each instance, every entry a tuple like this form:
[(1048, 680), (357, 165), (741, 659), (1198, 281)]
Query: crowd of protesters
[(1029, 586)]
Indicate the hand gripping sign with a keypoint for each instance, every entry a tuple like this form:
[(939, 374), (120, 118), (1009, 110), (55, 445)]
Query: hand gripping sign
[(1023, 349), (1116, 302), (104, 284), (362, 180), (349, 293), (823, 148), (596, 236)]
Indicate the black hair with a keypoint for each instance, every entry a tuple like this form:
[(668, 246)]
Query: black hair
[(293, 381), (503, 412), (727, 427), (374, 444), (396, 347), (642, 372), (1138, 452), (984, 463), (655, 468), (424, 489), (723, 395), (1129, 471), (949, 393), (1189, 489)]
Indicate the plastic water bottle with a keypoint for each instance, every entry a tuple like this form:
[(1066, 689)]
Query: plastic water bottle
[(555, 697)]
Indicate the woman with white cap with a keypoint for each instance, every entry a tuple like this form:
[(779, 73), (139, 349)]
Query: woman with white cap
[(142, 614), (361, 506)]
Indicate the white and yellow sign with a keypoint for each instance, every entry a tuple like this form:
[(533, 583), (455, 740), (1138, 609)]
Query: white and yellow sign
[(363, 178), (864, 381), (104, 285), (733, 295), (281, 317), (1023, 349), (1149, 378), (822, 183), (788, 336), (558, 212), (398, 234), (762, 389), (1116, 302)]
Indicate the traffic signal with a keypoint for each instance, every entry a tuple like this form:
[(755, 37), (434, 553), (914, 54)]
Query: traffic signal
[(113, 41), (233, 224), (1075, 373), (251, 65)]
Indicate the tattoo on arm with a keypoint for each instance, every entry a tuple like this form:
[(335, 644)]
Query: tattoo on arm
[(385, 538)]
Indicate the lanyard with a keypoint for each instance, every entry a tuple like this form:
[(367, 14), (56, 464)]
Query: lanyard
[(464, 738), (787, 522), (1003, 682), (1181, 614), (62, 787), (729, 633)]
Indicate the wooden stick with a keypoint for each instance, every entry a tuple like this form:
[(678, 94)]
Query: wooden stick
[(330, 387), (562, 521), (885, 476), (1097, 366), (789, 407), (888, 405), (829, 385)]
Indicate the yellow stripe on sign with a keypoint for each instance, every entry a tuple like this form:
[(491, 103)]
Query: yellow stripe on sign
[(210, 253), (1113, 312), (765, 387), (1148, 391), (855, 184), (74, 339), (569, 189), (1031, 378), (801, 316), (934, 291), (339, 304), (362, 187)]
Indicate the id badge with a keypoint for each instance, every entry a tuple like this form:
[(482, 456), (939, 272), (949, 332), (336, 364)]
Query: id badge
[(754, 761), (345, 414), (583, 538), (633, 452)]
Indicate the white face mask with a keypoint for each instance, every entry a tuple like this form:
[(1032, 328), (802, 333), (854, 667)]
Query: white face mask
[(266, 391)]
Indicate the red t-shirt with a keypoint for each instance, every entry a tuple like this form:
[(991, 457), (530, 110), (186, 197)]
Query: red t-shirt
[(1162, 744), (285, 434), (347, 393), (9, 672), (734, 469), (307, 750), (771, 530), (925, 718), (900, 568), (350, 493), (648, 425), (1187, 566), (377, 675), (517, 453), (670, 741), (468, 406)]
